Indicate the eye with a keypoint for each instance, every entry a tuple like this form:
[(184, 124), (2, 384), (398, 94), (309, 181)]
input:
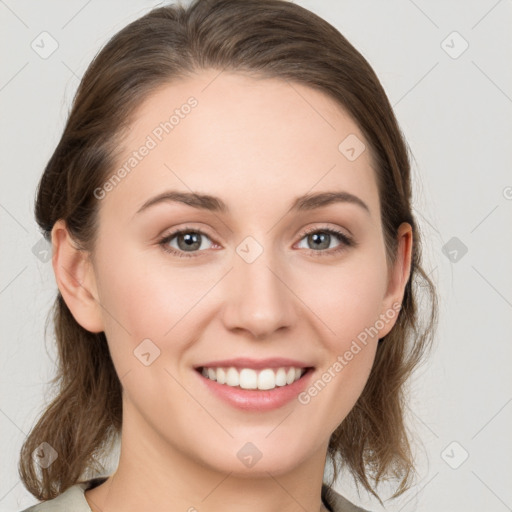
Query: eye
[(183, 241), (190, 242), (320, 241)]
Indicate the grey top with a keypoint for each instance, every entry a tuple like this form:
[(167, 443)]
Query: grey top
[(73, 500)]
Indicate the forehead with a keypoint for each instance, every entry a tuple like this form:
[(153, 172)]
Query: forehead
[(243, 139)]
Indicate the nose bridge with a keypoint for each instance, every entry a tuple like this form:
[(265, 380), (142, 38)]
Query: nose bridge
[(258, 299)]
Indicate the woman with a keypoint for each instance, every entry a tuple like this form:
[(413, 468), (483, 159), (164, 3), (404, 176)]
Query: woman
[(237, 264)]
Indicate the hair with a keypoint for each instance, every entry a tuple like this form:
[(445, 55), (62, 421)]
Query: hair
[(267, 39)]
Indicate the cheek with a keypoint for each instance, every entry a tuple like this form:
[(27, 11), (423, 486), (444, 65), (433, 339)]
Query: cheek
[(145, 313), (136, 300), (347, 298), (143, 298)]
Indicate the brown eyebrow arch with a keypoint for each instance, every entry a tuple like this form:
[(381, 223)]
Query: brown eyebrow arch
[(215, 204)]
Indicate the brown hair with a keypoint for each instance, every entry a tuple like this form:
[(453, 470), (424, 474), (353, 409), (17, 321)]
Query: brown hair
[(267, 38)]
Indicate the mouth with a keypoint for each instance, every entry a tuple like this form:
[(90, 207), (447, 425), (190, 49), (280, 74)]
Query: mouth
[(262, 379), (255, 385)]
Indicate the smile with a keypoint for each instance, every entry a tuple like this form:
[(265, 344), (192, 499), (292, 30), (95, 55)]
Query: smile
[(248, 378), (255, 384)]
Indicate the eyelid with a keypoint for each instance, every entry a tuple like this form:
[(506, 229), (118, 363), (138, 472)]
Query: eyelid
[(187, 228), (326, 228)]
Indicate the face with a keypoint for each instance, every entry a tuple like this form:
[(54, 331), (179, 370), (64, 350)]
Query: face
[(248, 283)]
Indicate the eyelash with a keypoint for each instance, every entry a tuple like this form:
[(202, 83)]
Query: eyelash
[(345, 240)]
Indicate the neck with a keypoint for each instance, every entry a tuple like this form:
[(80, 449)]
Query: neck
[(154, 475)]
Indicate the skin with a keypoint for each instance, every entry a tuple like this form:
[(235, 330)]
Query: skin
[(257, 144)]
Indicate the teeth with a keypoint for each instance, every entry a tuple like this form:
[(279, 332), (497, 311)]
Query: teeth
[(221, 376), (232, 377), (266, 379), (247, 378), (281, 377)]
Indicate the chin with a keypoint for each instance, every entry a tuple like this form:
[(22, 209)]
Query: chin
[(255, 459)]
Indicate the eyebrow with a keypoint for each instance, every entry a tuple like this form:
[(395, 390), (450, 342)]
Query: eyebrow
[(215, 204)]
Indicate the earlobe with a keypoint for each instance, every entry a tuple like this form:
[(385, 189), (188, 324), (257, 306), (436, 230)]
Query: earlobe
[(75, 278), (399, 276)]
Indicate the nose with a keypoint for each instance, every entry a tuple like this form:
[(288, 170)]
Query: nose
[(258, 298)]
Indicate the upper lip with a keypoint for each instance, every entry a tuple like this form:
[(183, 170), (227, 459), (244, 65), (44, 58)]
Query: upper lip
[(256, 364)]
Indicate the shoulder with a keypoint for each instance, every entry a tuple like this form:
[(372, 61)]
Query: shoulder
[(338, 503), (71, 500)]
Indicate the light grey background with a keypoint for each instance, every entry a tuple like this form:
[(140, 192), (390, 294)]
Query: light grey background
[(455, 111)]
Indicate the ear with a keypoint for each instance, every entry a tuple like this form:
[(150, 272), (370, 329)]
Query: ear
[(75, 278), (399, 275)]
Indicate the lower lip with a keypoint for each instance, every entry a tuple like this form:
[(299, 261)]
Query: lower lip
[(254, 399)]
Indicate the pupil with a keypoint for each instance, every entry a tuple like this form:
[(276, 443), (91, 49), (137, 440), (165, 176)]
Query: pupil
[(322, 238), (191, 241)]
